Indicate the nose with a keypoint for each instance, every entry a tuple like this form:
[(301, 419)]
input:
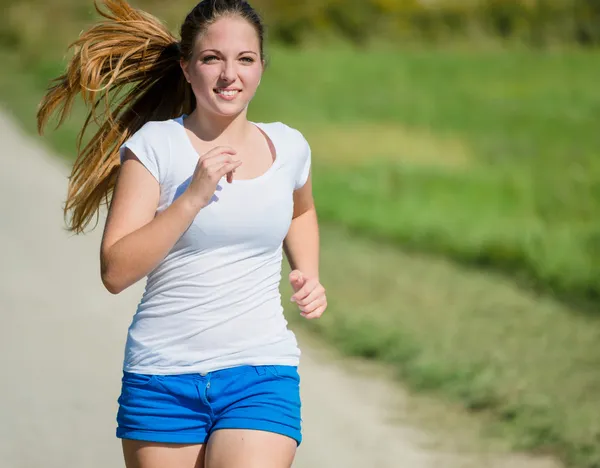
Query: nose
[(228, 74)]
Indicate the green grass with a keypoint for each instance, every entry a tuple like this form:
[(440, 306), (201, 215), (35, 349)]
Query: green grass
[(529, 365), (524, 196), (490, 159), (487, 157), (483, 158)]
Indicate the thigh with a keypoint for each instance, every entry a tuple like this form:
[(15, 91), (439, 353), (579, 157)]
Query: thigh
[(259, 398), (163, 410), (243, 448), (140, 454)]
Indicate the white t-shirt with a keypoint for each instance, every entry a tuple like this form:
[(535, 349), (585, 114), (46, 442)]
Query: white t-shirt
[(214, 301)]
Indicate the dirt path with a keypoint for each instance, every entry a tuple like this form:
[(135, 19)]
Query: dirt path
[(62, 337)]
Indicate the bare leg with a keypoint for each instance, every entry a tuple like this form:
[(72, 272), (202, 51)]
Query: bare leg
[(241, 448), (139, 454)]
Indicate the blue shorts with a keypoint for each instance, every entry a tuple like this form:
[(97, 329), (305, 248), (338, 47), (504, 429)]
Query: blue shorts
[(185, 409)]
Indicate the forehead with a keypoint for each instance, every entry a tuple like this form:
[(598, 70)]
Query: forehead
[(230, 34)]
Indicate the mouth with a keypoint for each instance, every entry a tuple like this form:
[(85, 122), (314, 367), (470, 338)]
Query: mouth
[(227, 93)]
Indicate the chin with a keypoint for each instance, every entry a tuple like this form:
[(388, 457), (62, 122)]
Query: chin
[(230, 110)]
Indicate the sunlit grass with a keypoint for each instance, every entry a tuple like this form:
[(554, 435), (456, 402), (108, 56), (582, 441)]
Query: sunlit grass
[(486, 158), (359, 144)]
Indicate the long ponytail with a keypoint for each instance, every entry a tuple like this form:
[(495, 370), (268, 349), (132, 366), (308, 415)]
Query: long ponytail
[(126, 69)]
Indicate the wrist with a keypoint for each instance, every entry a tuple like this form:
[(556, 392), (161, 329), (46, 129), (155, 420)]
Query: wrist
[(191, 203)]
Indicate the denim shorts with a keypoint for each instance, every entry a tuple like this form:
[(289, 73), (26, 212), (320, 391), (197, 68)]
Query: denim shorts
[(187, 408)]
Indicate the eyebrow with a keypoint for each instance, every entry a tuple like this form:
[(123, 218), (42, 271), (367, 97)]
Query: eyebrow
[(219, 52)]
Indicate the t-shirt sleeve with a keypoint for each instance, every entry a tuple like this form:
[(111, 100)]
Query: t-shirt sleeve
[(141, 143), (304, 164)]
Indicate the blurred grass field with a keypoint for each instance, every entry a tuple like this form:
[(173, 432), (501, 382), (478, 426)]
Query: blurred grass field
[(527, 366), (489, 158), (485, 158)]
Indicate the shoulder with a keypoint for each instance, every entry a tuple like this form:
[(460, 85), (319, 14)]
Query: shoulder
[(155, 130), (151, 145), (153, 137), (296, 151), (280, 129), (289, 139)]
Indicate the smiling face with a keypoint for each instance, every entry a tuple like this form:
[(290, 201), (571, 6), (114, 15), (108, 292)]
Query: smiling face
[(225, 67)]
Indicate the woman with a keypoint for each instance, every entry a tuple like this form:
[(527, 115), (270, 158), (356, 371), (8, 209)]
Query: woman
[(204, 205)]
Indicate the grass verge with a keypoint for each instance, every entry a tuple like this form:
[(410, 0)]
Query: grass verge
[(527, 362), (487, 158)]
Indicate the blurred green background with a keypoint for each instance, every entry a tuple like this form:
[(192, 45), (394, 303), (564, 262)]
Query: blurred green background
[(457, 176)]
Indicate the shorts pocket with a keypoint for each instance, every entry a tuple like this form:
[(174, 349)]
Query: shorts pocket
[(282, 372), (137, 380)]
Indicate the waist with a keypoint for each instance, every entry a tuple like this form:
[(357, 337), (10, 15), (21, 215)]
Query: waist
[(172, 350), (174, 322)]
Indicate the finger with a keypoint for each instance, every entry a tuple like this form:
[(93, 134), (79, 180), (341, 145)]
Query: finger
[(295, 275), (297, 280), (316, 314), (218, 160), (312, 295), (313, 305), (303, 292), (229, 167), (297, 284), (218, 150), (230, 176)]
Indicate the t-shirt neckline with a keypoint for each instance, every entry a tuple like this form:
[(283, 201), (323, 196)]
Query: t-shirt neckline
[(262, 128)]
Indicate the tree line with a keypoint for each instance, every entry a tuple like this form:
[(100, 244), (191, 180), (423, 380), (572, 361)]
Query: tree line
[(537, 23)]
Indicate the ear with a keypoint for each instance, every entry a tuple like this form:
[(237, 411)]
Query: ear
[(184, 67)]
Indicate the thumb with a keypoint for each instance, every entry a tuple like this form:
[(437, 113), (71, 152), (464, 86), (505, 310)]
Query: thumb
[(297, 279)]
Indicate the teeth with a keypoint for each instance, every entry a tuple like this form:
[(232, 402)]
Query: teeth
[(227, 93)]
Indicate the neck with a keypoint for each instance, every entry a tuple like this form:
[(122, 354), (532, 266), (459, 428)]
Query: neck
[(215, 127)]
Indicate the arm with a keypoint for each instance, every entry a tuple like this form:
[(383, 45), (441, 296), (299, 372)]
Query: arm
[(302, 251), (135, 241), (301, 244)]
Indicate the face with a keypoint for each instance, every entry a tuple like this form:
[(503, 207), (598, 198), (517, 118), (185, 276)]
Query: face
[(226, 67)]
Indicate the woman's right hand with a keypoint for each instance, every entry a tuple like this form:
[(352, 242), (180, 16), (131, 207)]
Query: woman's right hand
[(211, 167)]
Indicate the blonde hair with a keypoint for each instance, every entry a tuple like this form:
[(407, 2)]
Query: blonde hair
[(127, 70), (130, 51)]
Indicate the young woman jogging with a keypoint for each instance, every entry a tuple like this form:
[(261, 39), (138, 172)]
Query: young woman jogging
[(203, 204)]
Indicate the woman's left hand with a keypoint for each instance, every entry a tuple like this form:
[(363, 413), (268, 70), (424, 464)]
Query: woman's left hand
[(309, 295)]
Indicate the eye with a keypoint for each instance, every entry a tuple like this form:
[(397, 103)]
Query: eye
[(247, 59), (209, 58)]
